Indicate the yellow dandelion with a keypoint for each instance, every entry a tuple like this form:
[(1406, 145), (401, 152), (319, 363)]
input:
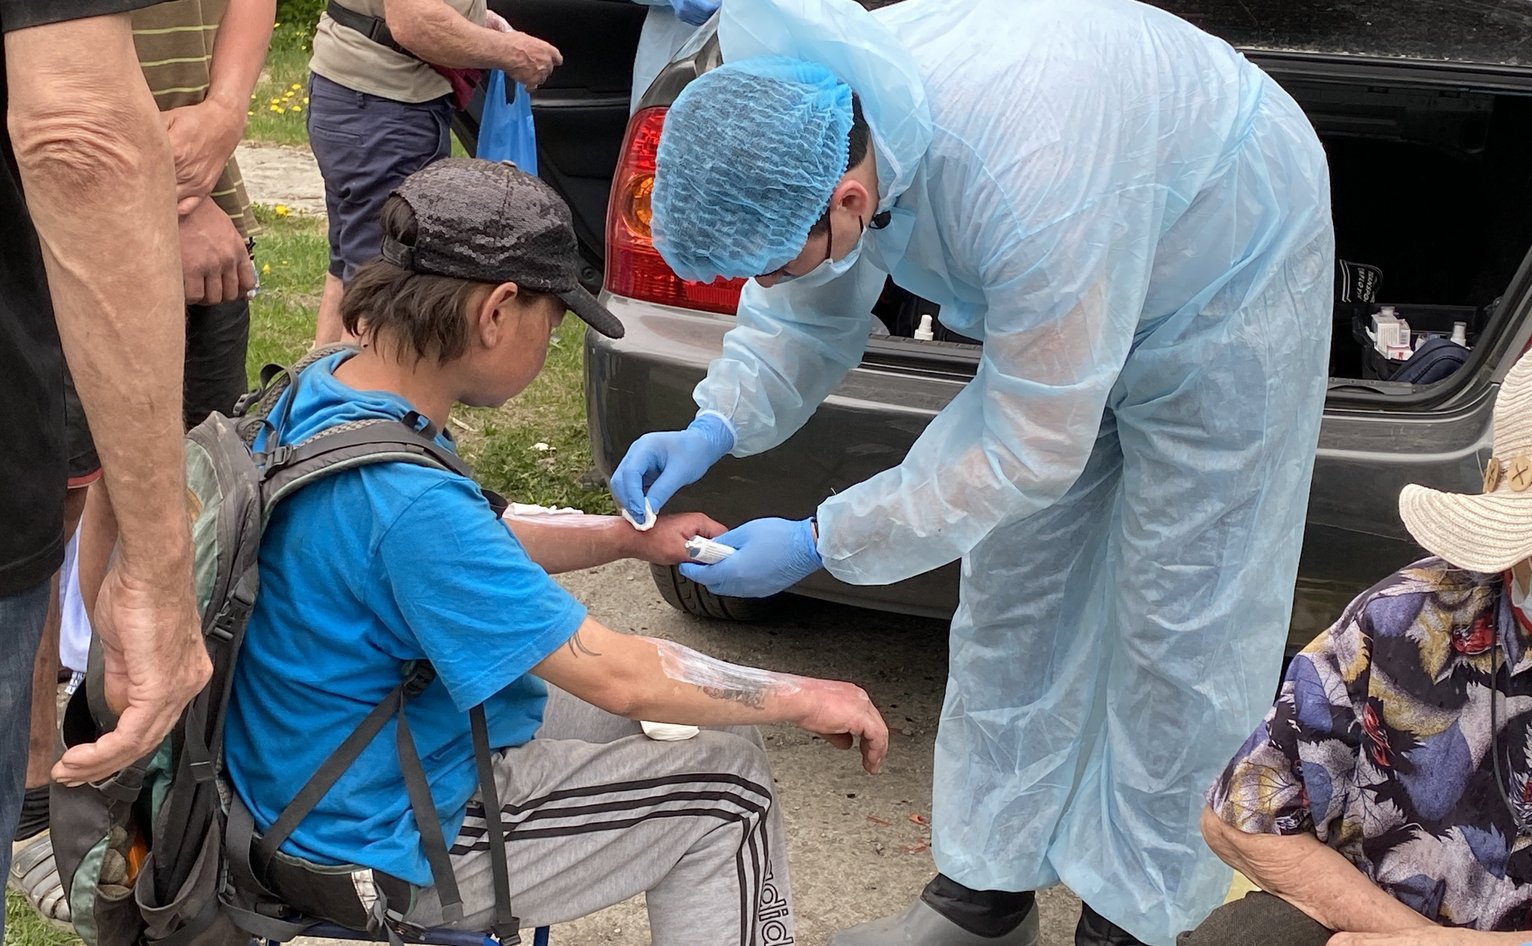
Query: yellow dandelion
[(275, 25), (276, 101), (296, 86), (266, 270), (305, 100), (296, 108), (249, 113), (277, 108), (281, 211)]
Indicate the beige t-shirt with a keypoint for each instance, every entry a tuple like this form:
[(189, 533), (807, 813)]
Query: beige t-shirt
[(345, 56)]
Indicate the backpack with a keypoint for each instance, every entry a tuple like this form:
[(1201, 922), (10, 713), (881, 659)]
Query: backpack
[(164, 852)]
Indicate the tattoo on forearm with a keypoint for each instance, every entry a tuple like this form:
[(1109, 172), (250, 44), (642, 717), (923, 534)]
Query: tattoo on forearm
[(753, 697), (721, 680), (578, 647)]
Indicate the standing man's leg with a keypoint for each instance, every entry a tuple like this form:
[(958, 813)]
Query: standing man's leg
[(84, 468), (217, 338), (595, 813), (21, 625), (1218, 412), (365, 146), (1024, 668)]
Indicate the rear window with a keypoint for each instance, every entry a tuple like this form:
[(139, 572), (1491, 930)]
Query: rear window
[(1476, 31)]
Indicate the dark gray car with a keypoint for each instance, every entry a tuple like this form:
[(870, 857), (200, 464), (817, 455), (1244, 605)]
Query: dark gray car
[(1425, 110)]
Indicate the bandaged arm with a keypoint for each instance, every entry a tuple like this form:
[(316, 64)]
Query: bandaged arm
[(661, 681), (568, 541)]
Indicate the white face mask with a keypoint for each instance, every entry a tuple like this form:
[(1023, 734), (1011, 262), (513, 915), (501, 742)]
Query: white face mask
[(830, 269)]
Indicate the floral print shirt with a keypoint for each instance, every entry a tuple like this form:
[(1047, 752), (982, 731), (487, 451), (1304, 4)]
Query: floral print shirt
[(1384, 742)]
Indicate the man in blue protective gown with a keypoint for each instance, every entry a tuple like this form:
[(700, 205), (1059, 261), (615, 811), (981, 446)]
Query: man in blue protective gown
[(1135, 221)]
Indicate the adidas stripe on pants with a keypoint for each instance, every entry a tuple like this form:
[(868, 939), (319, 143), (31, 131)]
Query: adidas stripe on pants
[(594, 813)]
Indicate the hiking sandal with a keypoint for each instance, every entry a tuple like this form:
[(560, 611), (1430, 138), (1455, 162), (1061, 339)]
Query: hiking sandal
[(35, 876)]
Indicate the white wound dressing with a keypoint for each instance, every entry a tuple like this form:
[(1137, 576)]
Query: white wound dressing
[(668, 732), (649, 517), (730, 681)]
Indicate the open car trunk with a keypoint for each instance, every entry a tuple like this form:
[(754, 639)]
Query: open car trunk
[(1431, 185)]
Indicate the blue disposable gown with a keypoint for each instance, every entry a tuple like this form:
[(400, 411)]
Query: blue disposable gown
[(663, 36), (1135, 221)]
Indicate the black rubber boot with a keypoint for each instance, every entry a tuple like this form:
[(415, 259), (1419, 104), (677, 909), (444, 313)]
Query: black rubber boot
[(949, 914), (1096, 930)]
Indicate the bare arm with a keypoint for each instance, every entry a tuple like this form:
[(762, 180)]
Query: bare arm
[(204, 136), (439, 34), (1311, 876), (96, 168), (566, 543), (1431, 936), (645, 678)]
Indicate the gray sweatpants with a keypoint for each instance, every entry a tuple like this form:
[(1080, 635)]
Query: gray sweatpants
[(594, 812)]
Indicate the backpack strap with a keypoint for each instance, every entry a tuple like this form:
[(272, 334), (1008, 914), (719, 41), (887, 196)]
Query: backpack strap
[(507, 926), (255, 406)]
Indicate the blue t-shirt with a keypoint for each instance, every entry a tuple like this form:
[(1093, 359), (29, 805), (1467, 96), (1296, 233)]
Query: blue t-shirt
[(361, 573)]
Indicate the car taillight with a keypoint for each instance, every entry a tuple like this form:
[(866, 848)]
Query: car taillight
[(634, 268)]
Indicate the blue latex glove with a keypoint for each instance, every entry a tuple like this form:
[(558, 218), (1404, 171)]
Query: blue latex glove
[(694, 12), (771, 555), (661, 463)]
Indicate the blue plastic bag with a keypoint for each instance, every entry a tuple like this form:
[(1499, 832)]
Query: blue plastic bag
[(506, 132)]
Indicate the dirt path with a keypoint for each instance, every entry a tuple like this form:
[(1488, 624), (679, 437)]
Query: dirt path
[(280, 175)]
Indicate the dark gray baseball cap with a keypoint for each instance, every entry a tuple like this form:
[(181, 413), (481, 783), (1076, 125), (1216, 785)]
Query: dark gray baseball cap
[(495, 223)]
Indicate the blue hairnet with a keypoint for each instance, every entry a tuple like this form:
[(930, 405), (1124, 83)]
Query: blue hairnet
[(750, 154)]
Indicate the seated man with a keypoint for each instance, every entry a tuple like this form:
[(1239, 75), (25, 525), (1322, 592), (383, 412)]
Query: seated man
[(368, 570), (1387, 797)]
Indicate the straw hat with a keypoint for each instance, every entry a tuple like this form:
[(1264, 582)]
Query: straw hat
[(1492, 531)]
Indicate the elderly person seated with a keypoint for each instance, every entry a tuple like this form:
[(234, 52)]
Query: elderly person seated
[(1387, 797)]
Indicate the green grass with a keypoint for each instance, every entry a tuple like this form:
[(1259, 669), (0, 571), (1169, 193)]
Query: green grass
[(25, 928), (500, 442), (277, 108)]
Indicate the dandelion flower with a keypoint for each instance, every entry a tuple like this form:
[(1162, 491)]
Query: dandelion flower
[(281, 211), (296, 108), (296, 86), (249, 113), (305, 100), (266, 269)]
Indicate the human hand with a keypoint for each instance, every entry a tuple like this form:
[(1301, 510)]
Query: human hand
[(694, 12), (215, 265), (843, 713), (155, 662), (665, 544), (665, 461), (771, 555), (202, 138), (527, 59)]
